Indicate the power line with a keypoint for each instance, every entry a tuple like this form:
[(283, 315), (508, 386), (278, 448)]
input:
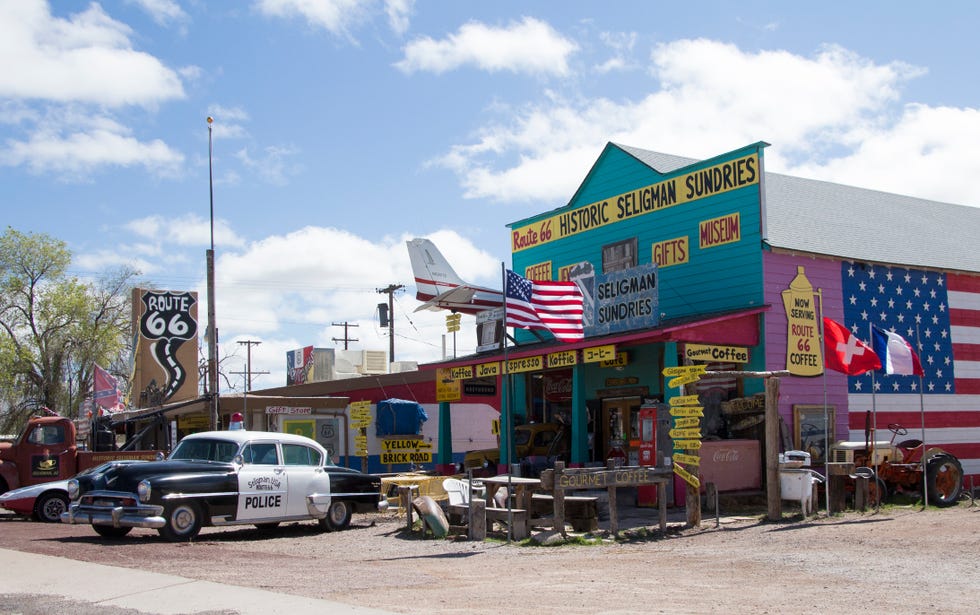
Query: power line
[(346, 338)]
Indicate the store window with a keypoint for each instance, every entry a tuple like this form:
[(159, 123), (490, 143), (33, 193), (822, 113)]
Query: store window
[(619, 256)]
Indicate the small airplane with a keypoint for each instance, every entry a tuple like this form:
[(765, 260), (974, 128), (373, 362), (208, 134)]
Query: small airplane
[(439, 288)]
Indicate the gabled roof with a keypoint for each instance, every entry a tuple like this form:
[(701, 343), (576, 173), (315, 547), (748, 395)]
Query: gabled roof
[(819, 217)]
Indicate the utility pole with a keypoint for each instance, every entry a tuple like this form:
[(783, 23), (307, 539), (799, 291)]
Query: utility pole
[(346, 338), (248, 364), (390, 291), (212, 325)]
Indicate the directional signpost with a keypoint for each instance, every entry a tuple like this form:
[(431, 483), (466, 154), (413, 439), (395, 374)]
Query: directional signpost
[(687, 413)]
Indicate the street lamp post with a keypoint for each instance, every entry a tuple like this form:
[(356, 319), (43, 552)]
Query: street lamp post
[(212, 327)]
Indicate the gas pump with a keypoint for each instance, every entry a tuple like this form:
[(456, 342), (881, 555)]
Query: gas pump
[(646, 495)]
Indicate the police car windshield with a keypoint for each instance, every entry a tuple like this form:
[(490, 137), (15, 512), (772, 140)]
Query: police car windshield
[(204, 449)]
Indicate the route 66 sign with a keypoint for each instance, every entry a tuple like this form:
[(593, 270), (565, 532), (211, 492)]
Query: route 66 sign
[(167, 321)]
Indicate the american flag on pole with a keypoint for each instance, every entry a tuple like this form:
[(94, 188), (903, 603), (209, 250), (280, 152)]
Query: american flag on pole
[(536, 304), (939, 315)]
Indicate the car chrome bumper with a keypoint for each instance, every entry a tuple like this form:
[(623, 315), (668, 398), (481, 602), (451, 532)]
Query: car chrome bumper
[(148, 516)]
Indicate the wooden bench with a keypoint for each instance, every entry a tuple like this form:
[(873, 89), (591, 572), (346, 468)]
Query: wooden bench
[(520, 517), (581, 511)]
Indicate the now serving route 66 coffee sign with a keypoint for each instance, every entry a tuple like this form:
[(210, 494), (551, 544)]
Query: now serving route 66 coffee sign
[(166, 356)]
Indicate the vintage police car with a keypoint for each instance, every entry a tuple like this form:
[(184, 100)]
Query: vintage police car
[(224, 478)]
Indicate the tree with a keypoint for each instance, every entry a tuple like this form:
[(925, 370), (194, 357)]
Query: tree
[(54, 327)]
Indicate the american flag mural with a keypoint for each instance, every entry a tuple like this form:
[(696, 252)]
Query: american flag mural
[(939, 314)]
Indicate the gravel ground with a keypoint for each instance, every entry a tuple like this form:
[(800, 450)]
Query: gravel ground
[(899, 559)]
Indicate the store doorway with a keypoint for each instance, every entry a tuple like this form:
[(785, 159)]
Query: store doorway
[(620, 428)]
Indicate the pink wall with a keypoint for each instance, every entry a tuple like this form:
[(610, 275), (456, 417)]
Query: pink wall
[(824, 274)]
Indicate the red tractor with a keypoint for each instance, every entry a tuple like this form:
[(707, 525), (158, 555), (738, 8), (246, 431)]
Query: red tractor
[(900, 466)]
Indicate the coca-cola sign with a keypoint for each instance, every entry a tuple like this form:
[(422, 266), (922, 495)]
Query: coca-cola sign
[(726, 455)]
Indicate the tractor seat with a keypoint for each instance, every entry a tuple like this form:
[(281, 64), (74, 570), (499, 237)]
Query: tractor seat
[(910, 443)]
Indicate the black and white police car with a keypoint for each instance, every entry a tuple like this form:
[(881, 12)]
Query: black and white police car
[(219, 478)]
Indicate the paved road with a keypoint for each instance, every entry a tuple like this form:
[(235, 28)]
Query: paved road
[(43, 584)]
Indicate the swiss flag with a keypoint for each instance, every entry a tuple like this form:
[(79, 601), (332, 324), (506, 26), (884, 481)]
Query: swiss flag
[(845, 353)]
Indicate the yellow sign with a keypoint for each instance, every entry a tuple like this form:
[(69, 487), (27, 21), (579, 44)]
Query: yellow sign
[(684, 370), (193, 421), (683, 434), (719, 231), (703, 183), (495, 427), (452, 322), (621, 360), (687, 421), (541, 271), (687, 445), (707, 352), (691, 460), (449, 390), (484, 370), (460, 373), (526, 364), (406, 457), (691, 479), (804, 354), (360, 424), (597, 354), (685, 400), (565, 358), (671, 252), (304, 427), (682, 380), (405, 444), (687, 411)]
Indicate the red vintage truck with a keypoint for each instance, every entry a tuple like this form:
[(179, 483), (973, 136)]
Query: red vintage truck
[(47, 451)]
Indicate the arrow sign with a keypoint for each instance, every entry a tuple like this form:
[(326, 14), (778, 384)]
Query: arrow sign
[(680, 434), (687, 445), (687, 421), (692, 480), (682, 380), (687, 411), (684, 400), (684, 370), (691, 460)]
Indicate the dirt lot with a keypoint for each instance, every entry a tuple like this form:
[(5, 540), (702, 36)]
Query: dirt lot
[(899, 559)]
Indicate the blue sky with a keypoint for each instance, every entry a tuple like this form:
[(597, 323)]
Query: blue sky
[(342, 128)]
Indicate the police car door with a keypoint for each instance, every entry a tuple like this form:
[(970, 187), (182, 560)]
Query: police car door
[(304, 464), (262, 483)]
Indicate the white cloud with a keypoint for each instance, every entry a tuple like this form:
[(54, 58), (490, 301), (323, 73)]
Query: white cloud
[(163, 12), (76, 153), (338, 17), (399, 13), (704, 98), (529, 46), (272, 165), (185, 230), (86, 58)]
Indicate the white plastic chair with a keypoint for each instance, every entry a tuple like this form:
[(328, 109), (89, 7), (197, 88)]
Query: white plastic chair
[(456, 490)]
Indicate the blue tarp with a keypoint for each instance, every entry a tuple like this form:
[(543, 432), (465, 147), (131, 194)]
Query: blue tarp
[(399, 417)]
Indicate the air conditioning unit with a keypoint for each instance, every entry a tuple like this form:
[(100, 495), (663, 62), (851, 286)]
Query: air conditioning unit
[(374, 362), (398, 367)]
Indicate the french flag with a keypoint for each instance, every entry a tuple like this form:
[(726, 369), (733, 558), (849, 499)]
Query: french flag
[(896, 354)]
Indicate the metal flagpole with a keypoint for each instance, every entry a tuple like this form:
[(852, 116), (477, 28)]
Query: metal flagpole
[(826, 427), (507, 414), (922, 415), (874, 428)]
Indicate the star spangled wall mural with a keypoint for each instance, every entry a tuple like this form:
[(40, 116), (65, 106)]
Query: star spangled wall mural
[(939, 314)]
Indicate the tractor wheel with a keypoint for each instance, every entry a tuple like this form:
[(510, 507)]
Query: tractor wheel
[(944, 479), (877, 492)]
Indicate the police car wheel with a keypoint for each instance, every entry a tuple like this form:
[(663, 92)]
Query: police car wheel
[(183, 521), (338, 516)]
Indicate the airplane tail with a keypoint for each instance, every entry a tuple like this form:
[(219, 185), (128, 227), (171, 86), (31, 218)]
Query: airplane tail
[(433, 273)]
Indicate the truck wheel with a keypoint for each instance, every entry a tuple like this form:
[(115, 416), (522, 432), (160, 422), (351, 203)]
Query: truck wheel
[(338, 516), (49, 506), (183, 521), (108, 531), (944, 478)]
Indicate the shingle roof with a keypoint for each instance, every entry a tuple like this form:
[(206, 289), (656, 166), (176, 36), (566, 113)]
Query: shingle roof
[(856, 223)]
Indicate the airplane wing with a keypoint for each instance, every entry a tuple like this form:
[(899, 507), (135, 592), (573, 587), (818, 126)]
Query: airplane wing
[(459, 296)]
